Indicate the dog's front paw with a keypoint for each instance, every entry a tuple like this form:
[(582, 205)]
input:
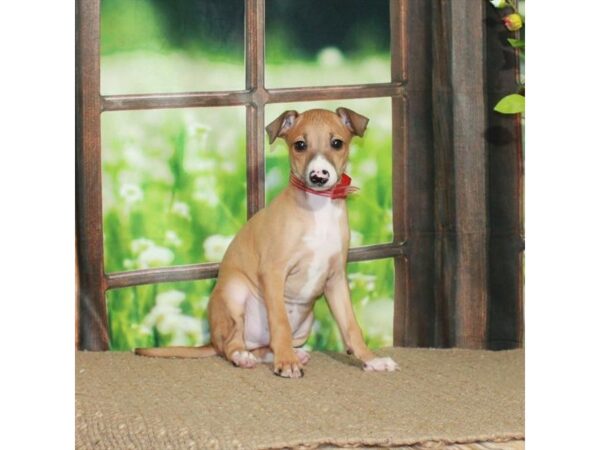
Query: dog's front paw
[(287, 365), (380, 365)]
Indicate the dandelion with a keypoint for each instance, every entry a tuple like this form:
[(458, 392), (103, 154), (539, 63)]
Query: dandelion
[(229, 166), (330, 57), (362, 280), (139, 245), (204, 190), (513, 22), (172, 238), (356, 238), (131, 193), (195, 128), (181, 209), (274, 178), (168, 319), (368, 168), (215, 246), (377, 318), (155, 256), (170, 298)]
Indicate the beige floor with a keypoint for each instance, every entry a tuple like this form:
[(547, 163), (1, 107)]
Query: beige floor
[(126, 401)]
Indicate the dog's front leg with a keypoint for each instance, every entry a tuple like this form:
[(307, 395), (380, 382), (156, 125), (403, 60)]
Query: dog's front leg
[(285, 361), (337, 294)]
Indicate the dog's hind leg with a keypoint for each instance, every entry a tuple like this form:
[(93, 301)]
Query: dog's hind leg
[(227, 324)]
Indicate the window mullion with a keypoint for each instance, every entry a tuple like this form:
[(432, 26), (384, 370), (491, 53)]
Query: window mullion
[(255, 111)]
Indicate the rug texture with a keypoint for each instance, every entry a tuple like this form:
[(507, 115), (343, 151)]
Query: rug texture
[(438, 398)]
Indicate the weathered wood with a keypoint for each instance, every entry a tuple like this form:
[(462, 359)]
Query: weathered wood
[(180, 100), (210, 270), (411, 61), (335, 92), (91, 314), (255, 111), (444, 192), (505, 181), (256, 95), (470, 171)]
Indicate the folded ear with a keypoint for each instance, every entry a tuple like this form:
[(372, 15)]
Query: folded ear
[(281, 125), (354, 121)]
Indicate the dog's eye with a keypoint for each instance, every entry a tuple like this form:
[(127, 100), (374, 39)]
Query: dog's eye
[(337, 144), (300, 146)]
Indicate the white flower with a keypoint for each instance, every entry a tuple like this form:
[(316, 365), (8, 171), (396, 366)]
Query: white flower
[(228, 166), (170, 298), (195, 128), (155, 256), (204, 190), (166, 316), (215, 247), (181, 209), (356, 238), (368, 168), (172, 238), (274, 178), (134, 157), (362, 280), (377, 317), (200, 164), (330, 57), (141, 244), (131, 193)]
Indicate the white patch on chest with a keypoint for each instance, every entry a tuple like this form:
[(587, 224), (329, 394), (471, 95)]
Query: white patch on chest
[(323, 240)]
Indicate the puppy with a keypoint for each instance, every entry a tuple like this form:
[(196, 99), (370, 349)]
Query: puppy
[(289, 254)]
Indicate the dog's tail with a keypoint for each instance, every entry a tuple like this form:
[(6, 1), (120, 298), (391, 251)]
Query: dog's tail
[(177, 352)]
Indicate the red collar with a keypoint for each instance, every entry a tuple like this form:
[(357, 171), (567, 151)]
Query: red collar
[(341, 190)]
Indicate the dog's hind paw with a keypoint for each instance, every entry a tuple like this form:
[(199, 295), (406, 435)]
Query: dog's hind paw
[(381, 365), (302, 355), (243, 359)]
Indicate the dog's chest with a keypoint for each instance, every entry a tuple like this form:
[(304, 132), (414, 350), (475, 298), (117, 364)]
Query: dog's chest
[(319, 245)]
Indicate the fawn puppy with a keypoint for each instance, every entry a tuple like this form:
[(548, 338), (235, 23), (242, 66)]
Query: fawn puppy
[(288, 254)]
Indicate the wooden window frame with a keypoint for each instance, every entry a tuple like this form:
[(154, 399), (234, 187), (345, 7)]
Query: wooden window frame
[(419, 90)]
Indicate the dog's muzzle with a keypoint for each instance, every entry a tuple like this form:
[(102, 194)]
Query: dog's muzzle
[(319, 177), (320, 173)]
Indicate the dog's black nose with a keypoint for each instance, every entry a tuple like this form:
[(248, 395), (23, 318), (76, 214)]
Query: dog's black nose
[(319, 177)]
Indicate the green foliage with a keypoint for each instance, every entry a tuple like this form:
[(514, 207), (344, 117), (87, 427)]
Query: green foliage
[(130, 25), (513, 20), (511, 104), (517, 43)]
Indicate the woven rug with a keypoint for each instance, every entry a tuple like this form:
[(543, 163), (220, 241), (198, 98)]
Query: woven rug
[(437, 399)]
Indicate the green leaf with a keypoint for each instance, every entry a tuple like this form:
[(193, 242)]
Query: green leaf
[(511, 104), (516, 43)]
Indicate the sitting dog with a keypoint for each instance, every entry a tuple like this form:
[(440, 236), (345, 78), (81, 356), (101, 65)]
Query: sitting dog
[(289, 254)]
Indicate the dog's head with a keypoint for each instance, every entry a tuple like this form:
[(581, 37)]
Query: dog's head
[(318, 142)]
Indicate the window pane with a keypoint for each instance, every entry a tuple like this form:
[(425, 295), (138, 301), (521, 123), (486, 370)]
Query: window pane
[(171, 46), (176, 313), (369, 210), (159, 315), (174, 185), (327, 42), (372, 292)]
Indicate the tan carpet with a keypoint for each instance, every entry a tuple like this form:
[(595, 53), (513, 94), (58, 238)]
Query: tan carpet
[(449, 396)]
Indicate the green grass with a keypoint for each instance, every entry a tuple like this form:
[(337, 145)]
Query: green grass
[(174, 192)]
